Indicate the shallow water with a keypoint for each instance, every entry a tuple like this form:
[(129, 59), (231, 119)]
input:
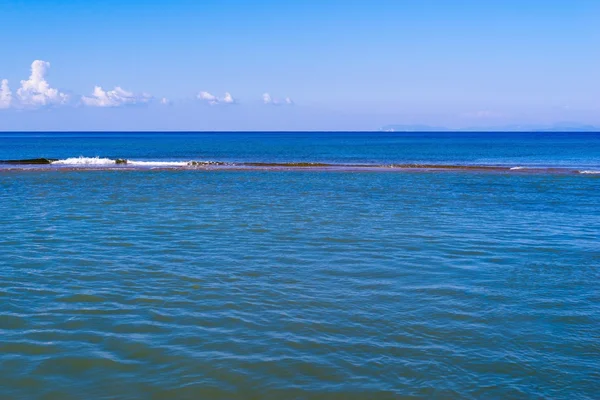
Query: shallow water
[(297, 284)]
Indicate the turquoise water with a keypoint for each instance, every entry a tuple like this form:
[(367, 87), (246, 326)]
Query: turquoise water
[(300, 283)]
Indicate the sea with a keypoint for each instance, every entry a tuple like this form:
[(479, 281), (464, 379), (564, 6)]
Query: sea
[(321, 265)]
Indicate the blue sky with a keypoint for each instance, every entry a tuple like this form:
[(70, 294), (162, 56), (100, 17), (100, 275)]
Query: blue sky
[(343, 64)]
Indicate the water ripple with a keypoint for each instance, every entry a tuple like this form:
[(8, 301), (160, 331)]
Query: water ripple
[(242, 284)]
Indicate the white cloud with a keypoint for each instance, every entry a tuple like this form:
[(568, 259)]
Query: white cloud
[(114, 98), (165, 102), (228, 98), (214, 100), (269, 100), (36, 91), (205, 96), (5, 94)]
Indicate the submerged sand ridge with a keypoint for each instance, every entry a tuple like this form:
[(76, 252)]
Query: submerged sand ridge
[(95, 163)]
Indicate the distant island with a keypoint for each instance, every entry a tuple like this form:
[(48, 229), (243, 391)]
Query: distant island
[(558, 127)]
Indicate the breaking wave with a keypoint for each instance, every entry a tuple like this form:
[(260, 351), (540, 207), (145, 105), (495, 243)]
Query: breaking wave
[(85, 161), (160, 163), (589, 172), (98, 161)]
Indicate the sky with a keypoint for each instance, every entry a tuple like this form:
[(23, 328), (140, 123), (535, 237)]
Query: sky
[(297, 65)]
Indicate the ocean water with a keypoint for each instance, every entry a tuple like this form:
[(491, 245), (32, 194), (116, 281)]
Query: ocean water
[(283, 271), (568, 151)]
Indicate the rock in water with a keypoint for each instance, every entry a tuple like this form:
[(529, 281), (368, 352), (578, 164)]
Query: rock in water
[(30, 161)]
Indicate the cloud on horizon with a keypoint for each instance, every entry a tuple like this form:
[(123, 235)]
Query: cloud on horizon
[(114, 98), (269, 100), (214, 100), (5, 94), (36, 91)]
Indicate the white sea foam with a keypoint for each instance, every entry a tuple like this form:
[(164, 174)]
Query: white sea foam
[(589, 172), (158, 163), (97, 161), (85, 161), (515, 168)]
